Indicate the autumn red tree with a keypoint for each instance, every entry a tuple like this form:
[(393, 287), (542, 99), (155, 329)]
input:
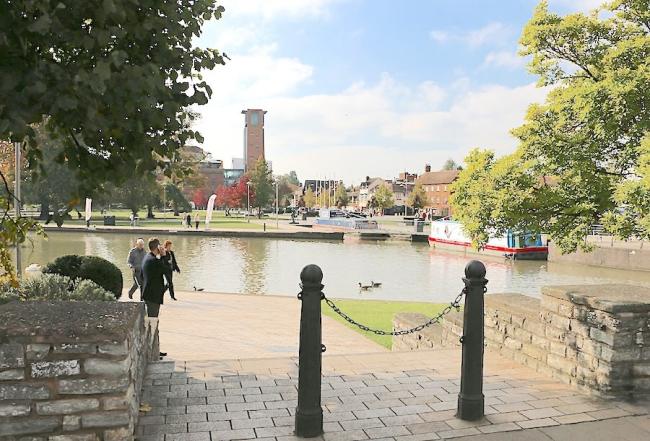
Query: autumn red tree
[(200, 198)]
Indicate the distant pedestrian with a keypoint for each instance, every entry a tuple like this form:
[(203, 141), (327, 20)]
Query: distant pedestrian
[(197, 220), (136, 255), (132, 220), (188, 220), (153, 274), (170, 266)]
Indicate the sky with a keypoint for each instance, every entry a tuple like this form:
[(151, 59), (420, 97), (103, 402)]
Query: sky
[(357, 88)]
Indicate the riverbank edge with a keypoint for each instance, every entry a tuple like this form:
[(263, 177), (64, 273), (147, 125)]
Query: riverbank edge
[(296, 235)]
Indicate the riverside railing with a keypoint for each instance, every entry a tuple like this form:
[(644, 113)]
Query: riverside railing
[(309, 412)]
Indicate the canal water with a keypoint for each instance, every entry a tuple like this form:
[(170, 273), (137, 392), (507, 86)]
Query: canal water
[(271, 266)]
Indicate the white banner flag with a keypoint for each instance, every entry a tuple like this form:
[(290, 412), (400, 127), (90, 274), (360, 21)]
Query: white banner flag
[(89, 208), (208, 214)]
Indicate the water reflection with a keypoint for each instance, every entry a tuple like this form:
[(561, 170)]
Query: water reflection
[(265, 266)]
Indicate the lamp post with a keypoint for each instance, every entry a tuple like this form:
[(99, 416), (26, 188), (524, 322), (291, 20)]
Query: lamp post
[(248, 193), (277, 210), (17, 205)]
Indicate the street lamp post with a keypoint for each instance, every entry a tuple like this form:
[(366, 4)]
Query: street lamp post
[(248, 193), (277, 211), (17, 205)]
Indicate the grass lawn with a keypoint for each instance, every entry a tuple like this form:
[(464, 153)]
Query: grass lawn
[(378, 314)]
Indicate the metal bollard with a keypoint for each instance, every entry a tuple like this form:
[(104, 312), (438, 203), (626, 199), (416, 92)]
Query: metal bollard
[(470, 398), (309, 413)]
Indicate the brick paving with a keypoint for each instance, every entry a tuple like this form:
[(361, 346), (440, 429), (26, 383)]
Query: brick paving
[(396, 396)]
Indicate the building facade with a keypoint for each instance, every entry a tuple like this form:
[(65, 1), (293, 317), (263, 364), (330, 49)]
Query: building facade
[(437, 185), (253, 137)]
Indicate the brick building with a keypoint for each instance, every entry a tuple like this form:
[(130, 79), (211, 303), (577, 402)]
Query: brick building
[(253, 137), (437, 185)]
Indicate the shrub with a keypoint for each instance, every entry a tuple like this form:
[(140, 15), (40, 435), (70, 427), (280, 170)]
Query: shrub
[(64, 265), (100, 271), (54, 287)]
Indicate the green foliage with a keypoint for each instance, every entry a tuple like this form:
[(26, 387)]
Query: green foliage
[(418, 197), (176, 198), (114, 80), (96, 269), (292, 177), (54, 287), (341, 196), (450, 164), (384, 197), (260, 177), (309, 198), (581, 156)]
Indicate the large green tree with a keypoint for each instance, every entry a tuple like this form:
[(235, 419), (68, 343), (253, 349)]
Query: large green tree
[(583, 154), (418, 197), (113, 79), (341, 196), (384, 197), (261, 181)]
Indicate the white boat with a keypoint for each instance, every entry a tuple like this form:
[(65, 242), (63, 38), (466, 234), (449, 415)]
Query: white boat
[(447, 234)]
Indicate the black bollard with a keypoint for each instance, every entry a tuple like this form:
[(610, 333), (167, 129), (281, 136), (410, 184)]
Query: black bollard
[(309, 413), (470, 398)]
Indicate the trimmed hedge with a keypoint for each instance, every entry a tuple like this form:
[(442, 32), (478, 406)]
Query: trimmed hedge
[(49, 287), (100, 271)]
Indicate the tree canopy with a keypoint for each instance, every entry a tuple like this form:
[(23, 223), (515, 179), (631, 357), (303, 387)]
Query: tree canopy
[(260, 178), (384, 197), (309, 198), (341, 196), (113, 82), (418, 197), (583, 154)]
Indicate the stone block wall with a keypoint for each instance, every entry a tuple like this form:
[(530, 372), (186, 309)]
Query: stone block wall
[(73, 371), (596, 337)]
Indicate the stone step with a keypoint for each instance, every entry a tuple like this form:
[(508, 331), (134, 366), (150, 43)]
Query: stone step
[(161, 367)]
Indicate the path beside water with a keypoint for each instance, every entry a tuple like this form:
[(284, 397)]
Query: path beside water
[(209, 326)]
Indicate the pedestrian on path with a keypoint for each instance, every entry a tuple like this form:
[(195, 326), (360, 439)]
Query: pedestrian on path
[(188, 220), (197, 220), (134, 260), (170, 266), (153, 272)]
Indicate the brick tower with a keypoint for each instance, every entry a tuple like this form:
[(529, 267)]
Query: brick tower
[(253, 136)]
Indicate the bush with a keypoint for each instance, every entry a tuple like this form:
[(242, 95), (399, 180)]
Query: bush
[(100, 271), (54, 287)]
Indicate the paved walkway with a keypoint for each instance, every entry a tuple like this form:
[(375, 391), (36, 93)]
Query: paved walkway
[(393, 396), (208, 326)]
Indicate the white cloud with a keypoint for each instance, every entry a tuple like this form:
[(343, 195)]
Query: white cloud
[(492, 33), (439, 36), (506, 59), (379, 128)]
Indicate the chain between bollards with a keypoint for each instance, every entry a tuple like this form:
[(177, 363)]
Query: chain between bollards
[(470, 399)]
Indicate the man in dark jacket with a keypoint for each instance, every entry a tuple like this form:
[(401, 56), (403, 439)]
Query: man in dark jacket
[(153, 275)]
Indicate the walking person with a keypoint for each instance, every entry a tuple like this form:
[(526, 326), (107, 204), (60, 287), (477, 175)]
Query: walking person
[(153, 272), (197, 220), (136, 255), (188, 220), (170, 266)]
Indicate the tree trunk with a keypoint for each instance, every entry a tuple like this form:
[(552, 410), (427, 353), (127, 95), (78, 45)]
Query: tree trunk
[(150, 212), (175, 207), (45, 211)]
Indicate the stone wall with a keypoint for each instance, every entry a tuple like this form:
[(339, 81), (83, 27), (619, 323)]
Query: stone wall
[(596, 337), (73, 371), (607, 254)]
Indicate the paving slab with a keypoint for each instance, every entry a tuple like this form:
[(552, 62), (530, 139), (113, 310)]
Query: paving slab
[(354, 387), (211, 326)]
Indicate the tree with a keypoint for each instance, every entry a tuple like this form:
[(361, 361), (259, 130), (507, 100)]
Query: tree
[(418, 197), (176, 198), (341, 196), (200, 198), (384, 197), (53, 186), (260, 178), (450, 164), (309, 198), (138, 192), (112, 81), (292, 178), (583, 154)]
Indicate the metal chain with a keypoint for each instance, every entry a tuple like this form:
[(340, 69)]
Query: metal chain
[(455, 304)]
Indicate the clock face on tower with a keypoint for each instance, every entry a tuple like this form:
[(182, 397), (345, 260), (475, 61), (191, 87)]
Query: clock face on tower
[(255, 119)]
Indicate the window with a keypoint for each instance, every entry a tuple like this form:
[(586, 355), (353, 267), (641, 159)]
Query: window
[(438, 188), (445, 188), (255, 118)]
